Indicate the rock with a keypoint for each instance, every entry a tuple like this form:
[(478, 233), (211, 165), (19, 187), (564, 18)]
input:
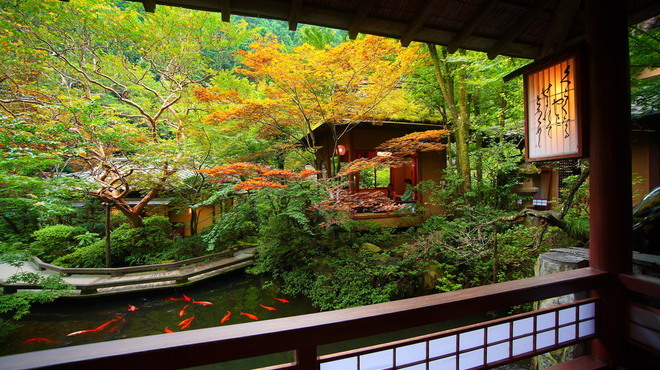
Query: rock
[(371, 247)]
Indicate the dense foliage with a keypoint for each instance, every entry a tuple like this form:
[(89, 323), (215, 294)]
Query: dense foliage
[(101, 102)]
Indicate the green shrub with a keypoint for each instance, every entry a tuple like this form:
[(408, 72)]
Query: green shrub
[(55, 241), (137, 246), (91, 256)]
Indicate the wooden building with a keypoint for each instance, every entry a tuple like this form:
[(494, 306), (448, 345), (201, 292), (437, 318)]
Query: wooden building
[(615, 322), (362, 141)]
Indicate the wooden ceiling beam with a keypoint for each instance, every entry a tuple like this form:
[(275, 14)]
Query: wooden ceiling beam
[(418, 22), (523, 23), (560, 24), (361, 15), (225, 10), (294, 13), (149, 5), (481, 15)]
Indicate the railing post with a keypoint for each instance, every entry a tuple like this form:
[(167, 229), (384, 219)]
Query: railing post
[(611, 167), (306, 358)]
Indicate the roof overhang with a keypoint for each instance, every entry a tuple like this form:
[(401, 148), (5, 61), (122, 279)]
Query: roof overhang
[(520, 28)]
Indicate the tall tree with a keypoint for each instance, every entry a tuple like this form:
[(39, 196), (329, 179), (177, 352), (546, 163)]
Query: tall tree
[(117, 79), (309, 87), (449, 79)]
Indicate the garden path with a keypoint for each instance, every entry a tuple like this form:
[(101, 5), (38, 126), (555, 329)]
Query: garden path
[(97, 284)]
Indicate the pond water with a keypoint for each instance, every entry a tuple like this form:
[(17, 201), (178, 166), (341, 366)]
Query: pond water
[(51, 325)]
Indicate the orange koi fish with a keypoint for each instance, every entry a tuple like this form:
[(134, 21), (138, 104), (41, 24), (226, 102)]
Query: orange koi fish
[(282, 300), (186, 323), (132, 308), (268, 308), (232, 298), (168, 330), (183, 310), (184, 298), (203, 303), (105, 325), (249, 316), (226, 318)]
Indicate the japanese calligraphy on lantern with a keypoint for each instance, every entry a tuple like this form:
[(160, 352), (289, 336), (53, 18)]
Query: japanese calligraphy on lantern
[(551, 124)]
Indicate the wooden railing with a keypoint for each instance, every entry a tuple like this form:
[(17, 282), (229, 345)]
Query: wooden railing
[(146, 277), (643, 318), (304, 334)]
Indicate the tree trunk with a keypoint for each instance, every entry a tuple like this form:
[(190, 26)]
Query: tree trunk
[(463, 131), (194, 221), (457, 113)]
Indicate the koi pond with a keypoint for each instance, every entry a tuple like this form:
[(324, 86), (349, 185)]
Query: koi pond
[(230, 299)]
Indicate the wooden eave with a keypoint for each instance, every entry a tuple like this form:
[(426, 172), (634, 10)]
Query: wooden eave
[(520, 28)]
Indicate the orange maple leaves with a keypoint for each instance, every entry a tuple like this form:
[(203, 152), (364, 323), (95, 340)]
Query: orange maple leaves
[(255, 176), (423, 141)]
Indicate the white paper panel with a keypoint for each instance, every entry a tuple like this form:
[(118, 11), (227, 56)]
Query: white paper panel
[(645, 317), (545, 321), (497, 352), (587, 311), (498, 332), (587, 328), (523, 326), (442, 346), (567, 315), (523, 345), (645, 336), (566, 333), (471, 339), (443, 364), (343, 364), (411, 353), (376, 360), (471, 359), (417, 367), (545, 339)]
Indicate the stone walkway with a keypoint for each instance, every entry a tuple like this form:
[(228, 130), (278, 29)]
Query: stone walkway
[(96, 285)]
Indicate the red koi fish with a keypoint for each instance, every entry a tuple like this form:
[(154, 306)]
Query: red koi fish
[(249, 316), (168, 330), (268, 308), (232, 298), (184, 298), (183, 310), (203, 303), (105, 325), (117, 326), (226, 318), (282, 300), (186, 323), (41, 340), (132, 308)]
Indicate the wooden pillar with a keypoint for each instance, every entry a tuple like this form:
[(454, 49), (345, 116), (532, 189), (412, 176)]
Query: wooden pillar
[(611, 168), (306, 358)]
